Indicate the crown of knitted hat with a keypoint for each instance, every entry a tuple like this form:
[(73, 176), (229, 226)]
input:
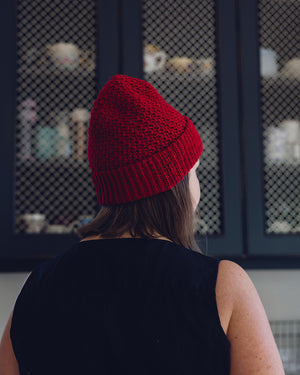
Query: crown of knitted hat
[(138, 144)]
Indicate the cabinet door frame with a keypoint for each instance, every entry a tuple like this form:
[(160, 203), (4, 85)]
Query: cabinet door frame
[(19, 252), (282, 250), (231, 241), (120, 51)]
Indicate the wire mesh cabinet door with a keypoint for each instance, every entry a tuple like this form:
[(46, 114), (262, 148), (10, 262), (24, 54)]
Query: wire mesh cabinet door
[(186, 50), (56, 86), (271, 89), (55, 75)]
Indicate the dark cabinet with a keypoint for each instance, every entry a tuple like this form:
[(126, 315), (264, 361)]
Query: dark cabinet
[(270, 84), (215, 61)]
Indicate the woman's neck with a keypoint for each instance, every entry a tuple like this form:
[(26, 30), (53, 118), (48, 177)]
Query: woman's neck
[(124, 235)]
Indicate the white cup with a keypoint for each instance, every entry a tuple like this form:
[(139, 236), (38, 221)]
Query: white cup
[(64, 55), (275, 144), (291, 127), (292, 130), (268, 63), (34, 223), (57, 229), (291, 69), (154, 61), (280, 227), (205, 65)]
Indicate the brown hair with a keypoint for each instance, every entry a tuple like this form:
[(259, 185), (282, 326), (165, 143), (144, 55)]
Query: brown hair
[(169, 214)]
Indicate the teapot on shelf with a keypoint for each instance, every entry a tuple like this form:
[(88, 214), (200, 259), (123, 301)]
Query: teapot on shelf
[(63, 55), (67, 56), (153, 59)]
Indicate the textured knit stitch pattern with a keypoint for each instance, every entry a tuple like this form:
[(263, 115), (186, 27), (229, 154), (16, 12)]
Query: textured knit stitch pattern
[(138, 145)]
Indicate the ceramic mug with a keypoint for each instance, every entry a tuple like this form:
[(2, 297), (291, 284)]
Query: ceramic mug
[(34, 223), (57, 229), (280, 227), (292, 131), (64, 55), (275, 144), (154, 59), (205, 66), (268, 62), (85, 219), (81, 221), (292, 128), (181, 65), (292, 69), (46, 142)]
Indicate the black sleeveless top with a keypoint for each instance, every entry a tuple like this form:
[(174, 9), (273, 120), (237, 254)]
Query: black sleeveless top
[(121, 306)]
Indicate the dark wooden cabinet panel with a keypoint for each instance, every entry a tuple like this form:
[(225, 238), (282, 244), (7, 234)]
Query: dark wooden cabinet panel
[(228, 33)]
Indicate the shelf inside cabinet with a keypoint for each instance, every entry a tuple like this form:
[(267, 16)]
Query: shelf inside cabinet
[(55, 73), (63, 163), (170, 77), (59, 189), (281, 81), (282, 167)]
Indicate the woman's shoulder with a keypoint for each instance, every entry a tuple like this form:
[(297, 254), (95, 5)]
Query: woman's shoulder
[(233, 282), (236, 295), (231, 275), (253, 348)]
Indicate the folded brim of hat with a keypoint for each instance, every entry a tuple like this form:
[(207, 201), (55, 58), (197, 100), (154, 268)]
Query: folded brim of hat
[(156, 174)]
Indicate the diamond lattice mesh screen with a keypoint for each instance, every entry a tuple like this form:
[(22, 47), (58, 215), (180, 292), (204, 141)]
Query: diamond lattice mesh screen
[(287, 337), (56, 87), (279, 35), (179, 60)]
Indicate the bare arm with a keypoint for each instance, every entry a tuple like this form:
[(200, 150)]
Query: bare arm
[(8, 362), (253, 348)]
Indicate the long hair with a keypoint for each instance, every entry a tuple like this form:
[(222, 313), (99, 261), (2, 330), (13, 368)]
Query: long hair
[(169, 214)]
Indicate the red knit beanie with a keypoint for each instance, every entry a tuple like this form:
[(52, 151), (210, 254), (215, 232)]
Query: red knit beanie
[(138, 144)]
